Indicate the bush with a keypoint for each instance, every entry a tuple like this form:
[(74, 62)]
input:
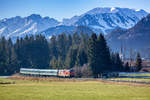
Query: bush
[(82, 71)]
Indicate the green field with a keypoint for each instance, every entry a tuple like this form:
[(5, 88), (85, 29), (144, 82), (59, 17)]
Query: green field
[(85, 90), (131, 79)]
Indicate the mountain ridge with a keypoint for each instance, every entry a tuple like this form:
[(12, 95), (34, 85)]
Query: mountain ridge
[(136, 38), (32, 24), (99, 20)]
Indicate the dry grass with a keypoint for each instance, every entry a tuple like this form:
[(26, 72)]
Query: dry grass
[(55, 79), (65, 89)]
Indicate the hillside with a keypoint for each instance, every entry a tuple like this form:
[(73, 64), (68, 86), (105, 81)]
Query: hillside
[(137, 37)]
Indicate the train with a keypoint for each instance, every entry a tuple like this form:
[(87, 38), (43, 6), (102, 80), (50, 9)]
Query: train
[(47, 72)]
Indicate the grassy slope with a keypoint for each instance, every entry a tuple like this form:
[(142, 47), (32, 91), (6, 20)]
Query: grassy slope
[(89, 90)]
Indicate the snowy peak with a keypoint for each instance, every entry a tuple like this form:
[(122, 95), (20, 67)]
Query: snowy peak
[(99, 20), (106, 19), (18, 26), (114, 10), (98, 11)]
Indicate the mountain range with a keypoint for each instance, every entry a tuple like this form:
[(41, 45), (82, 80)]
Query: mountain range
[(106, 19), (136, 38), (99, 20)]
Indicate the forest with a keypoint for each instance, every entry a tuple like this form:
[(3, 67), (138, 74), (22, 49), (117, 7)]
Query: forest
[(88, 55)]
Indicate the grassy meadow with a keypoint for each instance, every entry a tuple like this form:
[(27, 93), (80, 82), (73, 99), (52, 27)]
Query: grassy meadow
[(82, 90)]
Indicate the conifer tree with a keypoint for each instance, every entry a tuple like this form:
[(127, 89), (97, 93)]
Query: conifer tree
[(92, 54), (126, 67), (81, 57), (71, 57), (53, 63), (103, 55), (3, 56), (53, 47), (61, 45), (138, 62), (76, 39)]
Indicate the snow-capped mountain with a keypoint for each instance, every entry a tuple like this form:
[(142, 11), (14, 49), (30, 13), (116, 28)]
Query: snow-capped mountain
[(106, 19), (98, 20), (18, 26), (137, 37)]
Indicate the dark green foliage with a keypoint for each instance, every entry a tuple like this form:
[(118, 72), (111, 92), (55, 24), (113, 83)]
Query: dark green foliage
[(99, 56), (56, 63), (33, 52), (68, 50), (53, 63), (92, 54), (88, 55), (81, 57), (117, 64), (103, 55), (76, 39), (53, 47), (61, 45), (8, 59), (71, 56), (126, 67), (138, 62)]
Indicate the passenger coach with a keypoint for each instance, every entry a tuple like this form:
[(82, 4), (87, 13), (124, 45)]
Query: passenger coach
[(47, 72)]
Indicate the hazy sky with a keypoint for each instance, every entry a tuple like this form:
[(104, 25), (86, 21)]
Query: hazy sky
[(60, 9)]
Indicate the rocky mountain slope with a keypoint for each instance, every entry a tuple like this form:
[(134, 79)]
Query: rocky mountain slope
[(137, 37), (19, 27)]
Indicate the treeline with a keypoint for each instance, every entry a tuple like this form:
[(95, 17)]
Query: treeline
[(87, 55), (28, 52), (59, 52)]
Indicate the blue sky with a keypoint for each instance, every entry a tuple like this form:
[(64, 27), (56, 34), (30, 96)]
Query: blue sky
[(60, 9)]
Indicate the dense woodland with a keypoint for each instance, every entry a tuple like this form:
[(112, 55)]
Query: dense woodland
[(87, 55)]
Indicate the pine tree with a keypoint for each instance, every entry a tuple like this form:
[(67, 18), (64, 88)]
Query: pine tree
[(33, 52), (61, 45), (92, 54), (71, 57), (53, 63), (3, 57), (13, 65), (126, 67), (81, 57), (103, 55), (60, 63), (53, 47), (41, 55), (138, 62), (76, 39), (69, 42)]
